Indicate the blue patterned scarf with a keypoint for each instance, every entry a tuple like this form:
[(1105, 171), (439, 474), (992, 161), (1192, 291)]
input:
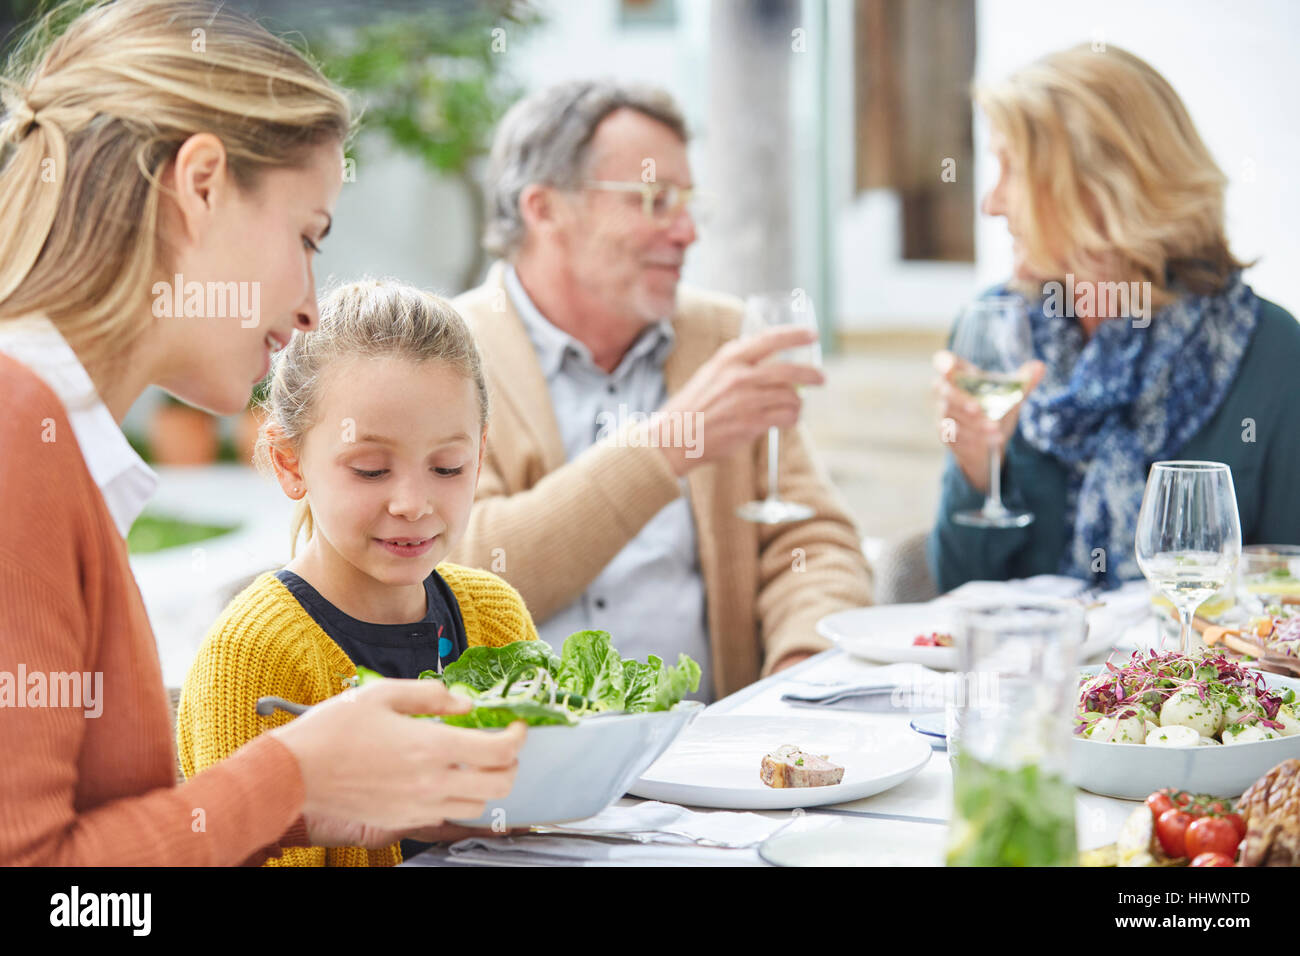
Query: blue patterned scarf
[(1109, 406)]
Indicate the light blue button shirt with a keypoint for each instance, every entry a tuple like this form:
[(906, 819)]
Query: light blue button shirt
[(650, 597)]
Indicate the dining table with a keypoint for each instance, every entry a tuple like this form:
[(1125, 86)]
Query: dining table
[(906, 825)]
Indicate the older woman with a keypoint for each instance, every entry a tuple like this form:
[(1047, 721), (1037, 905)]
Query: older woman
[(1104, 181)]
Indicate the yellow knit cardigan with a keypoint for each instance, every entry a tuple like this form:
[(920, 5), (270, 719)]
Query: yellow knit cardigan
[(265, 643)]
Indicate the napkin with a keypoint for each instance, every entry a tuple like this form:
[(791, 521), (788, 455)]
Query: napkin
[(559, 850), (1110, 614), (656, 822), (897, 688), (637, 830)]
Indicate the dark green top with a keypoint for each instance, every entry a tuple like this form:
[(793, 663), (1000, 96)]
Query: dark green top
[(1265, 464)]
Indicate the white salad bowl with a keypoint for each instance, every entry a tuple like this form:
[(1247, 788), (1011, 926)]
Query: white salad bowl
[(571, 773), (1134, 771)]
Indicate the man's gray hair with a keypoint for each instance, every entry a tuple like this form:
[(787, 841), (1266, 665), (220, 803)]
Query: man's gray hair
[(544, 139)]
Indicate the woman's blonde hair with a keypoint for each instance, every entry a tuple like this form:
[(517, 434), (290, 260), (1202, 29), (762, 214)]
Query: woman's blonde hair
[(372, 318), (92, 117), (1114, 171)]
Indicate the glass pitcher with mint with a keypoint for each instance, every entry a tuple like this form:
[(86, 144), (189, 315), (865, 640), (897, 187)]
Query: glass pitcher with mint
[(1013, 804)]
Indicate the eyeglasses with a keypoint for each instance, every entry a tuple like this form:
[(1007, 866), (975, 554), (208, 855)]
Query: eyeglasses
[(660, 202)]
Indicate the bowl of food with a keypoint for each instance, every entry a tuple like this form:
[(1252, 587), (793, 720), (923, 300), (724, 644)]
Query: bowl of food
[(1204, 722), (596, 721)]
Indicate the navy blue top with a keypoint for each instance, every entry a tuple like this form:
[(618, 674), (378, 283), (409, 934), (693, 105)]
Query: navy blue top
[(393, 650)]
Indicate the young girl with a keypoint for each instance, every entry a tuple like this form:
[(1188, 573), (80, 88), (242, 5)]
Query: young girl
[(375, 426)]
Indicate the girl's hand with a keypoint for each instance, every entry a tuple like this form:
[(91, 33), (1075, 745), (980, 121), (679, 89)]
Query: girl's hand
[(963, 426), (364, 761)]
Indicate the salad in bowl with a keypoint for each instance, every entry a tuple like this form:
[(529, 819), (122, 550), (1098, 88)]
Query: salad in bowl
[(1204, 722), (1183, 700), (595, 721)]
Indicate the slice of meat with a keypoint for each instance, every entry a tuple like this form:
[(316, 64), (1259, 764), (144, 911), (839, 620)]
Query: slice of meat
[(788, 766)]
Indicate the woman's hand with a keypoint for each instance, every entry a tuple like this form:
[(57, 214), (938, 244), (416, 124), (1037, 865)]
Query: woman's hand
[(371, 773), (964, 427)]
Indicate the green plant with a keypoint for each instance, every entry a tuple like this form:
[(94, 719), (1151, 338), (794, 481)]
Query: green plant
[(431, 82)]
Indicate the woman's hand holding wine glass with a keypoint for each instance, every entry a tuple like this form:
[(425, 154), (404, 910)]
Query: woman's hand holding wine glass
[(985, 377), (969, 433)]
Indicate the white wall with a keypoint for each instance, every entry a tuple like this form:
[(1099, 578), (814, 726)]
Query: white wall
[(1235, 67)]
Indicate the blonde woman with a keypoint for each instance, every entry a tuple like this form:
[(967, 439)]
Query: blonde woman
[(1151, 345), (156, 142)]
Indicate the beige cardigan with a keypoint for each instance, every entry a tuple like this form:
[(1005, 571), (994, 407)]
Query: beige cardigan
[(549, 526)]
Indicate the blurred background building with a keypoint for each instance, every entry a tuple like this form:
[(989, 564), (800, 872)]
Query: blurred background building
[(822, 127)]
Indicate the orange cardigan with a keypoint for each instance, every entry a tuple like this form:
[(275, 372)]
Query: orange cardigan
[(76, 788)]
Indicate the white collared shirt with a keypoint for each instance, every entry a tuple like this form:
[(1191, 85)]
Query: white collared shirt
[(651, 595), (125, 481)]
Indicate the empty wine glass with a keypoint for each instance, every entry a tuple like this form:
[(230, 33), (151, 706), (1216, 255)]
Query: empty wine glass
[(763, 312), (1188, 534), (992, 344)]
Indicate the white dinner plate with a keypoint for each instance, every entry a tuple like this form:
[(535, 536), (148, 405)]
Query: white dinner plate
[(855, 841), (884, 634), (715, 762)]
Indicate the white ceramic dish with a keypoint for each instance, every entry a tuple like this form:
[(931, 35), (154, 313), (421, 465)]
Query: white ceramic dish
[(933, 726), (571, 773), (857, 841), (884, 634), (1133, 771), (715, 763)]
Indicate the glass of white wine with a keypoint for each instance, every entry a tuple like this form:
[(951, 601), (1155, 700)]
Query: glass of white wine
[(1188, 534), (992, 344), (769, 311)]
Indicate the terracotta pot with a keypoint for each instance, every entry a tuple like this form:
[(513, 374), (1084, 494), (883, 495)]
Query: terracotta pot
[(246, 428), (180, 435)]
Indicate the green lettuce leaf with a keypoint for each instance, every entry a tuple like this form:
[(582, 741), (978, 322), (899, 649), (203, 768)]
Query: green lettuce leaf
[(676, 682), (502, 713), (654, 686), (590, 666), (485, 667)]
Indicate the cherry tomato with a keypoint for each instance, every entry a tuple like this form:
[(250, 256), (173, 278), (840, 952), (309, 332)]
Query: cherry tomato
[(1212, 859), (1238, 824), (1212, 835), (1171, 829), (1158, 803)]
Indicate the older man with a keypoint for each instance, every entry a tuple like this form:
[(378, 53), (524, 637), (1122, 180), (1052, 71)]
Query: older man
[(602, 514)]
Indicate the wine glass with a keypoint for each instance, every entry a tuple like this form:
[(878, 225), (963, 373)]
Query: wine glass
[(992, 344), (1188, 534), (762, 312)]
